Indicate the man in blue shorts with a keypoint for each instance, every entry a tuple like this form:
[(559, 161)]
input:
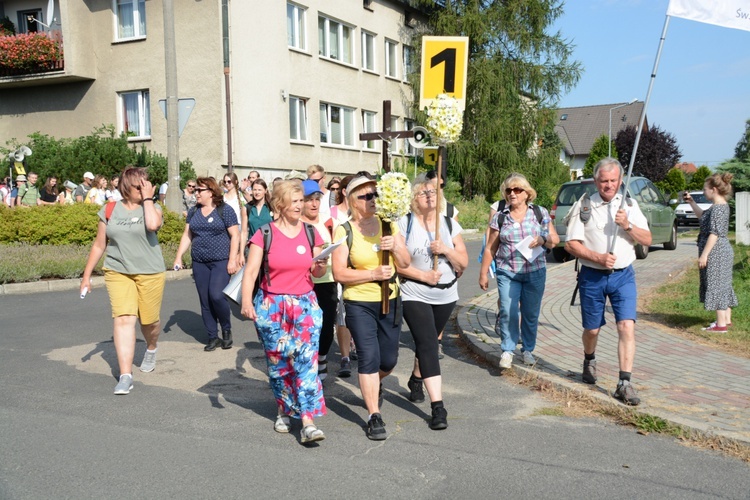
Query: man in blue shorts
[(604, 274)]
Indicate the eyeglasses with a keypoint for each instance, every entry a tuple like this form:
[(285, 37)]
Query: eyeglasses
[(200, 190), (334, 189), (227, 181), (428, 192), (314, 179), (516, 190), (368, 196), (191, 185)]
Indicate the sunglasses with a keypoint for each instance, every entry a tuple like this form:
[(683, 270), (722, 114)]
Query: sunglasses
[(516, 190), (368, 196), (334, 189), (227, 181), (200, 190), (191, 185)]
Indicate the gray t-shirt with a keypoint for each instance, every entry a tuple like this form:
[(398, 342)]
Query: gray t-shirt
[(131, 249), (81, 190), (418, 244)]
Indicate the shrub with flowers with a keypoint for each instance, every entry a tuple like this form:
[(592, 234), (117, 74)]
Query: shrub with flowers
[(394, 196), (30, 52), (444, 119)]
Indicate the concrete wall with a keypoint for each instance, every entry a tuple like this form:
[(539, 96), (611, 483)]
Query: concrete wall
[(742, 218)]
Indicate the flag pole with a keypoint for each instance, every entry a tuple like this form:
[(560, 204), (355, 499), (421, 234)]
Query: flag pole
[(642, 119)]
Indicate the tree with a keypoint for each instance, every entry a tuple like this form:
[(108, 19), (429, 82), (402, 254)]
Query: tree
[(599, 150), (742, 151), (657, 152), (517, 72), (699, 178), (673, 183)]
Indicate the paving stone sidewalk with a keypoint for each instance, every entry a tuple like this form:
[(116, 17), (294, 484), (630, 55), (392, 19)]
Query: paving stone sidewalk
[(678, 380)]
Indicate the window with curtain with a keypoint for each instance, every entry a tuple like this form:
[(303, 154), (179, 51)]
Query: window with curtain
[(391, 60), (130, 18), (368, 51), (297, 119), (295, 26), (408, 62), (368, 125), (135, 114), (335, 40), (336, 125)]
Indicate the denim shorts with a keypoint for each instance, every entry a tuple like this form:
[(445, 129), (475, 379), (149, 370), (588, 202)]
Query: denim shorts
[(596, 286)]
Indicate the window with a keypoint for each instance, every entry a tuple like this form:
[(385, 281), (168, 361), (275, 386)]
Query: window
[(296, 34), (135, 114), (335, 40), (368, 125), (393, 146), (28, 21), (368, 51), (336, 125), (408, 125), (391, 61), (130, 18), (408, 62), (297, 119)]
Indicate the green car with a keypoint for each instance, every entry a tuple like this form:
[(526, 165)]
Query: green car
[(654, 205)]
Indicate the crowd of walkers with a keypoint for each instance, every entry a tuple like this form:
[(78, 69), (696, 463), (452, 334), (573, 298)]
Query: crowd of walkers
[(24, 191)]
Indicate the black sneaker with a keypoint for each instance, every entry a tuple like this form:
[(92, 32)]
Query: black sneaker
[(416, 394), (213, 344), (439, 419), (589, 371), (376, 428), (345, 371), (626, 393)]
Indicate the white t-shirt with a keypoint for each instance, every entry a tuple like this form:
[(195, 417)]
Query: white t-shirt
[(418, 245), (597, 234)]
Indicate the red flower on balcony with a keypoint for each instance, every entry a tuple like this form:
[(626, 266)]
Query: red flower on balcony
[(29, 53)]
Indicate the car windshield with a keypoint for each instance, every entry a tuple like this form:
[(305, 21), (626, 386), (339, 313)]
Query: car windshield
[(572, 192)]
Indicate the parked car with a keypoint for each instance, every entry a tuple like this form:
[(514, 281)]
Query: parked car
[(653, 204), (684, 212)]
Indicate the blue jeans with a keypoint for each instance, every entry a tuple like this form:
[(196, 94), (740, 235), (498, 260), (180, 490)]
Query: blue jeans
[(519, 293)]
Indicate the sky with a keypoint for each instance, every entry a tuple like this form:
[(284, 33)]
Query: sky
[(701, 93)]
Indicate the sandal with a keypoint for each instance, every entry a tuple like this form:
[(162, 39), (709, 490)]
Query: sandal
[(310, 434), (282, 424)]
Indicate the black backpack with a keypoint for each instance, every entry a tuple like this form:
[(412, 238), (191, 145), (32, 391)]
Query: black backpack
[(501, 206), (265, 229)]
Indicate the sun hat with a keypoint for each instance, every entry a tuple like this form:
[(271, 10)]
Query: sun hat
[(88, 175), (21, 178), (311, 187), (358, 182)]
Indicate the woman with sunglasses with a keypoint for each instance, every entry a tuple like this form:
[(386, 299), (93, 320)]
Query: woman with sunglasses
[(430, 295), (520, 278), (359, 269), (213, 234), (234, 199)]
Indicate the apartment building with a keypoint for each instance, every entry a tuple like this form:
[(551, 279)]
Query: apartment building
[(304, 78)]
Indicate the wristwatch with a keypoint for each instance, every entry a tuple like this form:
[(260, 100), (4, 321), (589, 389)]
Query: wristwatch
[(544, 240), (630, 227)]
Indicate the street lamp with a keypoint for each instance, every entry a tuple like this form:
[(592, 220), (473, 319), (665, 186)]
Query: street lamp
[(609, 143)]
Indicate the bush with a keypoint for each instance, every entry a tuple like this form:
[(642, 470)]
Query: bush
[(473, 214)]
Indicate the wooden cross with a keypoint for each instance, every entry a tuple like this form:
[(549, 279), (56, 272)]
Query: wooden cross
[(387, 135)]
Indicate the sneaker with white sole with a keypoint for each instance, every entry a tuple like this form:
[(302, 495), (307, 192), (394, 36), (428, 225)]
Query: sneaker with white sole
[(124, 385), (506, 360), (149, 361), (528, 358)]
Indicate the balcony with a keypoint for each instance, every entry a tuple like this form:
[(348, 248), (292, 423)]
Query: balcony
[(31, 54)]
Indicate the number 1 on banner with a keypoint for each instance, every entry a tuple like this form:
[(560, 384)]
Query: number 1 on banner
[(444, 66)]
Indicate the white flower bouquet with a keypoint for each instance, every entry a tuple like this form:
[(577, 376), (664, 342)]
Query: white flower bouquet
[(444, 119), (394, 196)]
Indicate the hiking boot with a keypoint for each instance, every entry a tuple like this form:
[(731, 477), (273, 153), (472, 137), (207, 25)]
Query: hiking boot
[(124, 385), (376, 428), (626, 393), (345, 371), (149, 361), (528, 358), (589, 371), (439, 419), (506, 360), (226, 339), (213, 343), (416, 394)]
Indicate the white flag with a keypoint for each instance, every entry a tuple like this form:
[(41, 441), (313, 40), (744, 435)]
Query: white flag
[(726, 13)]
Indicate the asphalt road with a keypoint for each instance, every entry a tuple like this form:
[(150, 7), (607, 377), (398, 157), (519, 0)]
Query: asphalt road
[(200, 425)]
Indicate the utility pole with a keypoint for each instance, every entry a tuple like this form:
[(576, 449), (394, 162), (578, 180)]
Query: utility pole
[(174, 198)]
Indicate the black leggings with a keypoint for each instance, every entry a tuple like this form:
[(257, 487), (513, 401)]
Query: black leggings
[(328, 301), (426, 321)]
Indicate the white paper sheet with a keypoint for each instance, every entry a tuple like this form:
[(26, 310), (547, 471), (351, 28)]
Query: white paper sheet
[(328, 250), (528, 253)]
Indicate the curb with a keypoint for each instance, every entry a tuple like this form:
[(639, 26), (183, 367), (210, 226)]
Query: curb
[(72, 284)]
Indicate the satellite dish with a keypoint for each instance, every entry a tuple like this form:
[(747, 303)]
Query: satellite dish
[(421, 138)]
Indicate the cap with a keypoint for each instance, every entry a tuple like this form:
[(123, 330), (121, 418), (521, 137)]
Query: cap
[(295, 175), (358, 182), (311, 187), (21, 178), (88, 175)]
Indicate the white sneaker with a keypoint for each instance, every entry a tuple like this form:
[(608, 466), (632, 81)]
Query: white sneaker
[(506, 360), (149, 361), (125, 384), (528, 358)]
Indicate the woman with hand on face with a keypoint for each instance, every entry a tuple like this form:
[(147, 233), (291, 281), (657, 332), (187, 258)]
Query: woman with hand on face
[(285, 310), (358, 268), (213, 232), (429, 295), (133, 271), (234, 199), (716, 254), (520, 283)]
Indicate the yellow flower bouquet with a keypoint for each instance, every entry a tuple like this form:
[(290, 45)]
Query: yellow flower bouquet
[(394, 196)]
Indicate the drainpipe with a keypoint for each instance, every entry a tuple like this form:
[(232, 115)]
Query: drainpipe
[(225, 40)]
